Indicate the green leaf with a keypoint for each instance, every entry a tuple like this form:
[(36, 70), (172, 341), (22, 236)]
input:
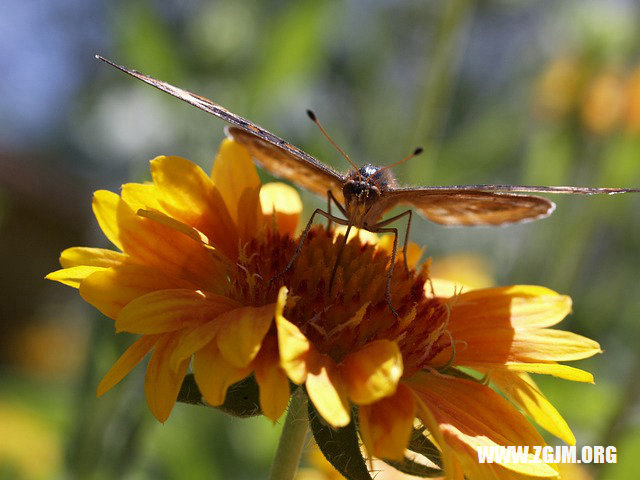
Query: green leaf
[(189, 392), (419, 443), (339, 446), (410, 467), (241, 400)]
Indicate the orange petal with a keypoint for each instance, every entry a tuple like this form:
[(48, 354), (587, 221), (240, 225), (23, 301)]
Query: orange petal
[(272, 381), (522, 390), (468, 415), (95, 257), (281, 205), (214, 375), (162, 383), (73, 276), (328, 391), (193, 339), (189, 195), (450, 464), (241, 336), (169, 310), (111, 289), (372, 372), (386, 425), (105, 206), (234, 172), (293, 345), (126, 362)]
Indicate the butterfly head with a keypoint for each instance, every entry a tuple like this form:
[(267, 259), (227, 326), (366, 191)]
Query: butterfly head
[(362, 189)]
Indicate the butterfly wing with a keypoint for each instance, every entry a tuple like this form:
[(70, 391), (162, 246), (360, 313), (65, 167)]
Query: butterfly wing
[(275, 154), (457, 207), (485, 204), (287, 161)]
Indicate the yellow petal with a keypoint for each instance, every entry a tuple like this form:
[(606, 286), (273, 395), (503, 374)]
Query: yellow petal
[(169, 310), (126, 362), (105, 206), (548, 345), (272, 381), (372, 372), (95, 257), (189, 195), (414, 252), (214, 375), (293, 345), (522, 390), (281, 205), (162, 383), (111, 289), (141, 195), (250, 218), (73, 276), (148, 242), (174, 224), (505, 345), (233, 172), (386, 425), (439, 287), (328, 392), (561, 371), (468, 269), (469, 415), (244, 328), (515, 306)]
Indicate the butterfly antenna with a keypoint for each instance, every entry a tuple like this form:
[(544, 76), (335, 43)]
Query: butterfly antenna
[(415, 153), (314, 119)]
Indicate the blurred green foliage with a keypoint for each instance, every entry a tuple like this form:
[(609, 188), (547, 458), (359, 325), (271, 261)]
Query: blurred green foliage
[(471, 81)]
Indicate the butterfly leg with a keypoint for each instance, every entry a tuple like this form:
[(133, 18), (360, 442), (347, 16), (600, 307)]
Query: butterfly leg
[(303, 237), (406, 233), (335, 265), (377, 229), (331, 197)]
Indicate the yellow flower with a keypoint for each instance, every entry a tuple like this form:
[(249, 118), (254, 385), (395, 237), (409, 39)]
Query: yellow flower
[(354, 351), (195, 251), (559, 87), (201, 276), (604, 102)]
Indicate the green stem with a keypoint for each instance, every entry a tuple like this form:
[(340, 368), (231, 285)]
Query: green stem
[(295, 429)]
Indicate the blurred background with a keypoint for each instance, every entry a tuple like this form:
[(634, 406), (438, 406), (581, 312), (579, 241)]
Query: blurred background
[(496, 91)]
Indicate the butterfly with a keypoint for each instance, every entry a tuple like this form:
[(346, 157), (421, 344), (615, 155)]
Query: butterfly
[(364, 194)]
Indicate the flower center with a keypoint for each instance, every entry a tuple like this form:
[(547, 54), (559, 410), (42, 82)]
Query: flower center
[(355, 310)]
